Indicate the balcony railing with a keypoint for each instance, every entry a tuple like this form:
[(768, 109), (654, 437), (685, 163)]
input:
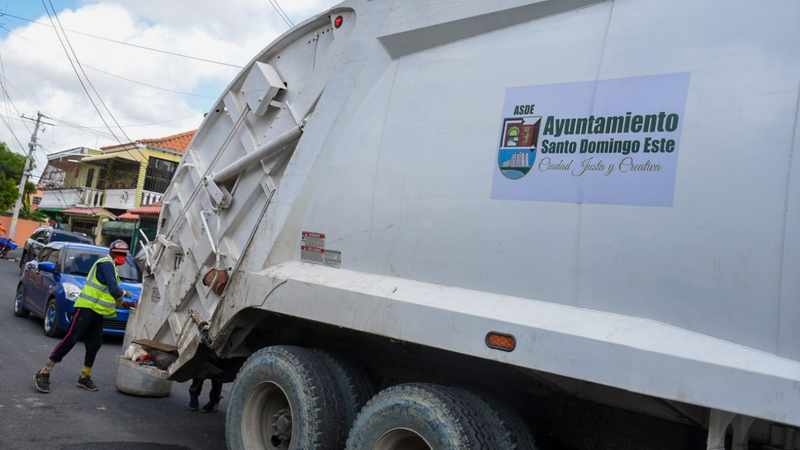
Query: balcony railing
[(150, 198), (62, 198), (92, 198), (96, 198), (119, 198)]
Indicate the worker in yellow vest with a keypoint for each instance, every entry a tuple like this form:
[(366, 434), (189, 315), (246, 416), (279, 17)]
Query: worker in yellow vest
[(99, 299)]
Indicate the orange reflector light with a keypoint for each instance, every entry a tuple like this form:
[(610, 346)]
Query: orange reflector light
[(500, 341), (338, 21)]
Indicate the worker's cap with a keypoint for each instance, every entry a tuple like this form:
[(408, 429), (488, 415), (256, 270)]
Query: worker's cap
[(119, 247)]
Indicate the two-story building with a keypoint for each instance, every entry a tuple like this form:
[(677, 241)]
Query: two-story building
[(86, 190)]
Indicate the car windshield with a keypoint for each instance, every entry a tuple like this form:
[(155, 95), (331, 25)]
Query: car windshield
[(63, 237), (77, 262)]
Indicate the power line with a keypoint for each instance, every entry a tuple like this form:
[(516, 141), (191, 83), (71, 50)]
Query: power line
[(152, 124), (88, 80), (4, 85), (152, 86), (285, 17), (81, 127), (75, 69), (11, 130), (129, 44), (8, 124), (130, 80), (7, 96)]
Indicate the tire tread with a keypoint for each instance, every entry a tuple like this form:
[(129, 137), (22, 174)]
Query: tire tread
[(322, 406), (468, 431)]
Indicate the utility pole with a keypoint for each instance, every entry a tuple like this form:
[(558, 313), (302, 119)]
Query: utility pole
[(25, 174)]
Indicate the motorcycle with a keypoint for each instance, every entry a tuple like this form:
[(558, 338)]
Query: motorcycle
[(6, 245)]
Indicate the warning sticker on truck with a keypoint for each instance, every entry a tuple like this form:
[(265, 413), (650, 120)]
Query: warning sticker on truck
[(611, 141), (312, 249), (313, 239)]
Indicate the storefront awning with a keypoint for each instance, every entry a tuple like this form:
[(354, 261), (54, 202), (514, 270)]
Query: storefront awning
[(89, 212), (152, 210)]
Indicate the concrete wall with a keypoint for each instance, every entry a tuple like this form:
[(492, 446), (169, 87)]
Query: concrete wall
[(25, 228)]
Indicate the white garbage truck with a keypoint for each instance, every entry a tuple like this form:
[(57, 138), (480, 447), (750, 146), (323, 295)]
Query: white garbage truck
[(505, 224)]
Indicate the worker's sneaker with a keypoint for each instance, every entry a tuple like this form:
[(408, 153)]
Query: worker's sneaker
[(86, 383), (194, 403), (41, 381)]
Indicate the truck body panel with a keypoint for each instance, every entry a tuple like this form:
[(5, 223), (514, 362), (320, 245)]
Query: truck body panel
[(693, 295)]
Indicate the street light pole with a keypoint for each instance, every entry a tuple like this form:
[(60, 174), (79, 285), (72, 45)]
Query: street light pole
[(25, 174)]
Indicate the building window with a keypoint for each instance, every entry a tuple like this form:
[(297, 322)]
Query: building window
[(89, 177), (159, 174)]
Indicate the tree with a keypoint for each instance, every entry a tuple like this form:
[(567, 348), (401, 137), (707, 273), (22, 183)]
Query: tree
[(27, 211), (11, 167)]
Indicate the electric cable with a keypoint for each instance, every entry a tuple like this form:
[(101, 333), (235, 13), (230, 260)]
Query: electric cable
[(143, 83), (58, 26), (80, 80), (130, 44), (86, 77), (285, 17)]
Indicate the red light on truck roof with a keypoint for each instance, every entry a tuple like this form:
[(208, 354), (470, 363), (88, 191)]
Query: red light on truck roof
[(338, 21)]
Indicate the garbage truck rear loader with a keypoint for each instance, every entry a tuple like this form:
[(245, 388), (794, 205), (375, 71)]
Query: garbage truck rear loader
[(484, 224)]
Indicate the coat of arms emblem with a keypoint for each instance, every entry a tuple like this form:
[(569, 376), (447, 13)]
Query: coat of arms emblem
[(518, 144)]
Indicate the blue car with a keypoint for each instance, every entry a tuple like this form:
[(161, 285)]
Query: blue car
[(51, 283)]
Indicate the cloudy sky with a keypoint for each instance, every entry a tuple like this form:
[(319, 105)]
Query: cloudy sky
[(38, 76)]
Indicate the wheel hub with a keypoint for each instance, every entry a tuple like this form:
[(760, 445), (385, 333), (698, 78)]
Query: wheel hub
[(281, 428), (49, 318), (267, 412), (402, 439)]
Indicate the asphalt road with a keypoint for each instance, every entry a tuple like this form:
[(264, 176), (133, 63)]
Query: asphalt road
[(73, 419)]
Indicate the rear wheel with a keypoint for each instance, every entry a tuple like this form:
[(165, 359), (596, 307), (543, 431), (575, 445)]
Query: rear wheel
[(284, 399), (19, 307), (507, 428), (420, 417), (354, 387), (50, 322)]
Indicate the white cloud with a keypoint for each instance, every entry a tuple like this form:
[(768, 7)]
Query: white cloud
[(40, 78)]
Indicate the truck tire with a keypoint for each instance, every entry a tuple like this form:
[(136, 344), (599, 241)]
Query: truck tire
[(353, 385), (284, 398), (509, 431), (420, 417)]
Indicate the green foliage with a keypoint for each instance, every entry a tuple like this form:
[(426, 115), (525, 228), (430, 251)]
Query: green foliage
[(27, 213), (11, 167)]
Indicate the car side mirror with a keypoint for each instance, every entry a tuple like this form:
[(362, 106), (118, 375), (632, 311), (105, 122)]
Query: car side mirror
[(47, 266)]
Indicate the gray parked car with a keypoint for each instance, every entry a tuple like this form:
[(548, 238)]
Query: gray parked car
[(45, 235)]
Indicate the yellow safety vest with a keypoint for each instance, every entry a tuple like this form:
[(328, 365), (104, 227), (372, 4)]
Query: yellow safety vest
[(95, 295)]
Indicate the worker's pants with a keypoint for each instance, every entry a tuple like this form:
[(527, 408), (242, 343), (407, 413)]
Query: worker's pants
[(86, 325), (216, 389)]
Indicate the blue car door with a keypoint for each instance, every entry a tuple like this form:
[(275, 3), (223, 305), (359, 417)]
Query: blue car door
[(49, 280), (33, 288)]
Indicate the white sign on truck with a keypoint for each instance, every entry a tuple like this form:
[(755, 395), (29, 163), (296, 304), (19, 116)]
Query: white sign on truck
[(608, 141)]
